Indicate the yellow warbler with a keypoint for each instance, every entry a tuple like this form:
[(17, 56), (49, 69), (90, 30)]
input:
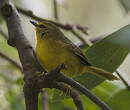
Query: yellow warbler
[(53, 49)]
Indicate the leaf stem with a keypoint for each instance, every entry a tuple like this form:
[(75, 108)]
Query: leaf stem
[(123, 80)]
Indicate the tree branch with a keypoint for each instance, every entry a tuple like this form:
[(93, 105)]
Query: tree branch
[(83, 90), (11, 61), (31, 97), (72, 93)]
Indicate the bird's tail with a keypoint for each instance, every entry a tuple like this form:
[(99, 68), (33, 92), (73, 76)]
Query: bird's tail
[(101, 72)]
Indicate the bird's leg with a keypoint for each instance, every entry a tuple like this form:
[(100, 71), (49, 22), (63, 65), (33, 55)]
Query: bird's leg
[(53, 72), (60, 67), (68, 90)]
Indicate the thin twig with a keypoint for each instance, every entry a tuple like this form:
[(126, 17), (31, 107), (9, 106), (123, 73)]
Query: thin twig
[(3, 33), (55, 9), (45, 100), (67, 27), (123, 80), (72, 93), (4, 56), (78, 36), (86, 42)]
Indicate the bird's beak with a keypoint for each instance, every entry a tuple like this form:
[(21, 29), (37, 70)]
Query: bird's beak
[(34, 23)]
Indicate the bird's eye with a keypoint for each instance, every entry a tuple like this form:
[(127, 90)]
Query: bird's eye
[(41, 26)]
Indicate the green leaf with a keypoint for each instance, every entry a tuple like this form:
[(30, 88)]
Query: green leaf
[(104, 91), (120, 101), (1, 19), (108, 54)]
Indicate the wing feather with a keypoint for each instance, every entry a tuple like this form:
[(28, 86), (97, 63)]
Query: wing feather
[(66, 43)]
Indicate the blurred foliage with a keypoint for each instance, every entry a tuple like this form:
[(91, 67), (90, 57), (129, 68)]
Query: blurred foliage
[(1, 19), (125, 4), (4, 47), (15, 100), (121, 100), (108, 53)]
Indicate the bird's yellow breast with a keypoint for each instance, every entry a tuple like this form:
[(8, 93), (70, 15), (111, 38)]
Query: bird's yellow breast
[(51, 53)]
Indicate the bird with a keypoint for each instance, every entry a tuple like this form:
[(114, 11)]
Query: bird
[(53, 48)]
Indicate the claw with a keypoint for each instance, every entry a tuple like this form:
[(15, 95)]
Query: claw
[(53, 74), (67, 92), (60, 67)]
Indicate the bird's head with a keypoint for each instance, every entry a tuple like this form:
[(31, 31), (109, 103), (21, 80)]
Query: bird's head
[(46, 29)]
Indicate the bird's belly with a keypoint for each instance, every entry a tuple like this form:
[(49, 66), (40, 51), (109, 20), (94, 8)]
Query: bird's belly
[(50, 59)]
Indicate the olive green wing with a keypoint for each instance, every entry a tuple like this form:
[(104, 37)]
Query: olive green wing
[(77, 51), (66, 43)]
